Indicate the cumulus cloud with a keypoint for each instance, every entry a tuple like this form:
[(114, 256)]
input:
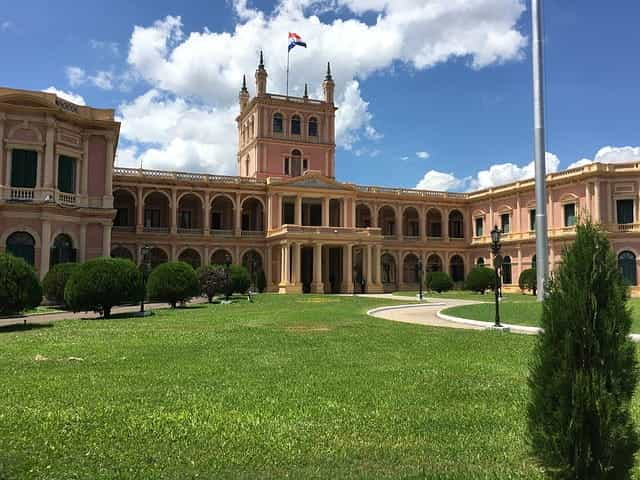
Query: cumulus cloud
[(102, 79), (611, 154), (112, 48), (75, 75), (69, 96), (206, 67), (498, 174), (423, 155)]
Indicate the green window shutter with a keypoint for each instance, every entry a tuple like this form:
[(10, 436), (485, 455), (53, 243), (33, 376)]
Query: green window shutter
[(66, 174), (24, 168)]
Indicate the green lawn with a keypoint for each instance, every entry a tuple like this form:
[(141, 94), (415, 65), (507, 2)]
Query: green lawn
[(522, 313), (287, 387), (468, 295)]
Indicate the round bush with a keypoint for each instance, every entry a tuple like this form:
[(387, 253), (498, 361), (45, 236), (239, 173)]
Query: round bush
[(173, 282), (528, 280), (103, 283), (56, 280), (19, 285), (212, 280), (439, 282), (240, 279), (481, 279)]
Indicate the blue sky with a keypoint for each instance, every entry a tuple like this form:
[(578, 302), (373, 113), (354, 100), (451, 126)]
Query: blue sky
[(449, 78)]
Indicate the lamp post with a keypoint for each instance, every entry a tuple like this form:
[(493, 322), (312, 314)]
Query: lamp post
[(497, 263), (419, 271), (145, 266)]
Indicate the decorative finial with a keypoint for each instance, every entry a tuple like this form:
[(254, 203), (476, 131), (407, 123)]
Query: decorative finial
[(306, 94), (328, 77), (244, 83), (261, 65)]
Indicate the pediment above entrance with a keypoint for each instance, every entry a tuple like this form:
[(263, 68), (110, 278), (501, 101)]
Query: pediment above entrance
[(312, 181)]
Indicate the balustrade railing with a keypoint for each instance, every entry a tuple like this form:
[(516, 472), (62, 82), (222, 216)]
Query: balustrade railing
[(20, 194), (216, 232), (190, 231), (156, 230)]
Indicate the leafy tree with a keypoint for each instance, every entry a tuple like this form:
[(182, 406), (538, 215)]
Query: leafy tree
[(102, 283), (212, 280), (584, 369), (481, 279), (261, 281), (528, 280), (19, 286), (240, 279), (56, 280), (173, 282), (439, 282)]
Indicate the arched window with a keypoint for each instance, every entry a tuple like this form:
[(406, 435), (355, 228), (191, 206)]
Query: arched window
[(62, 251), (388, 270), (295, 125), (22, 245), (278, 123), (506, 270), (456, 267), (296, 163), (480, 262), (122, 252), (410, 269), (456, 227), (190, 256), (434, 263), (627, 266), (313, 127)]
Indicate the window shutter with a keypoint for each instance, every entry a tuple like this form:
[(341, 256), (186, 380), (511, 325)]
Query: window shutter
[(66, 174), (24, 168)]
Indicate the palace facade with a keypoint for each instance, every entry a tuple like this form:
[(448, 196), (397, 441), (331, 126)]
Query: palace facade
[(62, 199)]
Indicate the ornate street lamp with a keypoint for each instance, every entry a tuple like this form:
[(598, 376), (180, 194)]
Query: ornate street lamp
[(419, 272), (497, 264), (145, 266)]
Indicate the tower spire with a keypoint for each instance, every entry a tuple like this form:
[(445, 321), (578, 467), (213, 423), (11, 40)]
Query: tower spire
[(244, 83), (328, 85), (261, 78), (306, 93), (328, 76), (261, 65)]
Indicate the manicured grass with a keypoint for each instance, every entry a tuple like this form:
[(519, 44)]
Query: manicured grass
[(468, 295), (287, 387), (522, 313)]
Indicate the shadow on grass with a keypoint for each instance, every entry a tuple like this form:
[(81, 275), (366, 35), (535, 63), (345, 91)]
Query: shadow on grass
[(23, 327)]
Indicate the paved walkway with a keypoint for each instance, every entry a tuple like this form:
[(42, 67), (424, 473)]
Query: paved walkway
[(46, 318)]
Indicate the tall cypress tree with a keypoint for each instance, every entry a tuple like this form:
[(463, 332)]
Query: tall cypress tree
[(584, 368)]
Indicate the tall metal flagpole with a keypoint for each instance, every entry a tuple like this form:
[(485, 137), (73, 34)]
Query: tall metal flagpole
[(542, 252), (288, 52)]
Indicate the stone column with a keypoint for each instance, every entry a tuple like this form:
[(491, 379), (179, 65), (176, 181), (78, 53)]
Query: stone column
[(207, 256), (296, 264), (445, 224), (82, 254), (268, 267), (317, 286), (374, 215), (106, 240), (84, 183), (368, 267), (298, 210), (398, 228), (587, 197), (609, 198), (207, 213), (596, 198), (376, 261), (269, 212), (347, 269), (278, 216), (140, 209), (49, 160), (422, 218), (284, 268), (45, 245), (518, 215), (325, 211), (353, 213), (237, 214), (174, 211), (108, 172), (173, 253), (344, 212), (550, 222)]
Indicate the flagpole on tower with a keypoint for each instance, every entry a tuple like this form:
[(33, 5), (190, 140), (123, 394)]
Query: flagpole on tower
[(288, 53)]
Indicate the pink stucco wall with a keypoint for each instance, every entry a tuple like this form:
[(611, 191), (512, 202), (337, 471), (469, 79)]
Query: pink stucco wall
[(97, 158)]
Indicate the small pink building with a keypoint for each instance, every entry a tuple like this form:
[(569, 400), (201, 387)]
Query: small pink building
[(61, 199)]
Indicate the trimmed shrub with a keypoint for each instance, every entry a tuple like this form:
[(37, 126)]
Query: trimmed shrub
[(173, 282), (439, 282), (19, 286), (211, 278), (56, 280), (240, 279), (528, 280), (481, 279), (584, 370), (102, 283), (261, 281)]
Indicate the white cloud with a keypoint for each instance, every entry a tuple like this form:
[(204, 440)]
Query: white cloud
[(423, 155), (75, 75), (113, 48), (69, 96), (405, 158), (498, 174), (206, 67), (103, 80), (127, 157), (440, 181), (611, 154)]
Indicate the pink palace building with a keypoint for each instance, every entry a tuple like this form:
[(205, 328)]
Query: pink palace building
[(62, 199)]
